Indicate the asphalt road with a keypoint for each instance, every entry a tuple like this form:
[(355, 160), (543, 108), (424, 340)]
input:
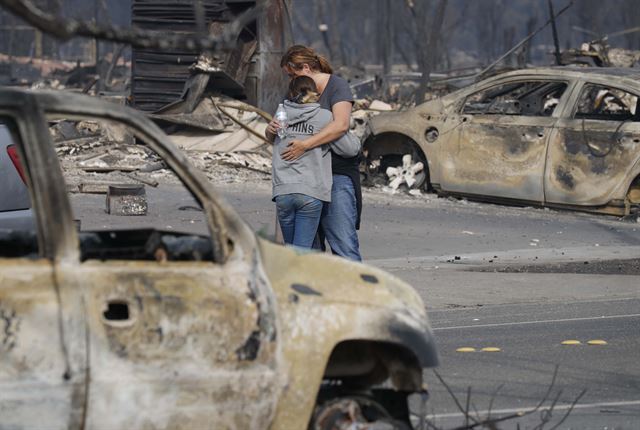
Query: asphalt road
[(519, 279), (511, 278), (518, 376)]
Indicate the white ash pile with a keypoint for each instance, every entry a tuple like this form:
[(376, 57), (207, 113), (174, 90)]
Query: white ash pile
[(224, 137), (218, 124), (95, 155)]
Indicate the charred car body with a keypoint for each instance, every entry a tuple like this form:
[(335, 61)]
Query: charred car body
[(124, 329), (559, 137)]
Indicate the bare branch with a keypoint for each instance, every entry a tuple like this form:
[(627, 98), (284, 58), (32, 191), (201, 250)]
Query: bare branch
[(551, 385), (466, 409), (478, 416), (547, 414), (65, 29), (491, 423), (522, 42), (575, 402), (453, 396), (521, 414), (307, 29), (493, 397)]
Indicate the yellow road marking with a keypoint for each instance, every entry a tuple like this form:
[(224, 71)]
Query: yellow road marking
[(491, 349), (571, 342), (466, 349), (597, 342)]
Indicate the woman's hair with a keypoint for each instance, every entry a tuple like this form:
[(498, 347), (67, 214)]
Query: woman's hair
[(299, 55), (302, 89)]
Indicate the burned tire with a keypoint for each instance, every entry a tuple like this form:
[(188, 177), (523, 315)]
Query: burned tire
[(387, 150), (349, 411)]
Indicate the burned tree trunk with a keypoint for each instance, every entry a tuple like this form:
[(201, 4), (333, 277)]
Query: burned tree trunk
[(428, 52), (337, 56), (385, 40), (306, 29), (526, 57)]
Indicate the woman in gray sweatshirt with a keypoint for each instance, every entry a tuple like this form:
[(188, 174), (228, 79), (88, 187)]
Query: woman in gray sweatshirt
[(301, 187)]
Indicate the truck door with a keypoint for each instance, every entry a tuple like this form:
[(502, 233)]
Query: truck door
[(42, 349), (177, 338)]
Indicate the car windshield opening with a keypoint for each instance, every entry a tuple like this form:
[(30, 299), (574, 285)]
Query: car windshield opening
[(127, 203), (536, 98)]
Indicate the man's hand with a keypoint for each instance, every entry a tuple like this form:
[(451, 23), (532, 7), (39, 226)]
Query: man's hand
[(294, 150)]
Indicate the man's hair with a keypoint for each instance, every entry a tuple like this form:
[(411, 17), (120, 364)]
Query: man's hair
[(302, 89)]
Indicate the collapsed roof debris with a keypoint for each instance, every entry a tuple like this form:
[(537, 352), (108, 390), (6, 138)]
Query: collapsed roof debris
[(38, 73), (96, 155), (249, 70), (160, 75), (218, 124), (600, 54)]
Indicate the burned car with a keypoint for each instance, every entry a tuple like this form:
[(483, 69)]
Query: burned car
[(558, 137), (137, 320)]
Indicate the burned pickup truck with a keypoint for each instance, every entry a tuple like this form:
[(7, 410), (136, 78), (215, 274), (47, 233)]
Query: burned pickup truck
[(558, 137), (139, 320)]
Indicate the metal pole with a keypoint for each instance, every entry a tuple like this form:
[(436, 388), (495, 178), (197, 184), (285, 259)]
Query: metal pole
[(554, 30), (522, 42)]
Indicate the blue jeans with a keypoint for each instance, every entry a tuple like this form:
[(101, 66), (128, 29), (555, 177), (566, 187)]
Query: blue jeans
[(338, 222), (299, 217)]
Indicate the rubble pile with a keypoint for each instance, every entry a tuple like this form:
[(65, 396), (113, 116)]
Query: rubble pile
[(222, 136), (600, 54), (218, 124), (95, 156), (46, 73)]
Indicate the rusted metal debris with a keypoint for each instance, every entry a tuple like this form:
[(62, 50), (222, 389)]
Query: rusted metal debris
[(564, 138), (160, 74), (126, 200), (163, 76)]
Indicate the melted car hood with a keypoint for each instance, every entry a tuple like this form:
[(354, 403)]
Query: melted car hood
[(335, 280)]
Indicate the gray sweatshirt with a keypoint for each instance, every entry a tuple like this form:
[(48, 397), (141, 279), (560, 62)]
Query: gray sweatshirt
[(311, 173)]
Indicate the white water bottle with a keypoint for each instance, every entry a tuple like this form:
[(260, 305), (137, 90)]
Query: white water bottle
[(283, 120)]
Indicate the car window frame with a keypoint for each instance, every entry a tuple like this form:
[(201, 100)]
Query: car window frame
[(140, 133), (584, 85), (515, 80)]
